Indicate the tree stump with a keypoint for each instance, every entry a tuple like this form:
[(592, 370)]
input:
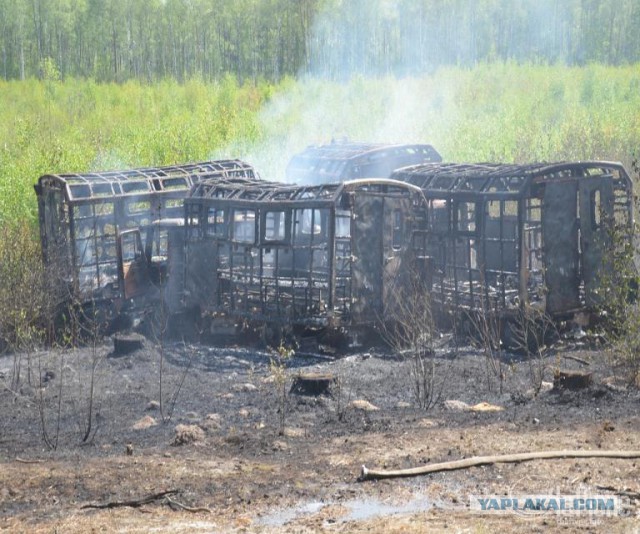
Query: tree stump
[(565, 379), (123, 345), (312, 384), (307, 344)]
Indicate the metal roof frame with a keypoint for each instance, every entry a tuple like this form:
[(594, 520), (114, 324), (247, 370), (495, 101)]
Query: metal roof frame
[(101, 185), (490, 179), (244, 191)]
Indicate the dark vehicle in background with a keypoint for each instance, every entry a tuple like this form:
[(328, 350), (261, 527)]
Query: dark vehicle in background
[(91, 228), (344, 160)]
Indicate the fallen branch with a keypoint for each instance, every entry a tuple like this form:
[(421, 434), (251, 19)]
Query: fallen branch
[(632, 495), (135, 503), (575, 359), (23, 461), (187, 508), (368, 474)]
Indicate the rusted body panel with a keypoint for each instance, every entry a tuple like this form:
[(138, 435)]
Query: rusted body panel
[(90, 225), (314, 256), (504, 236), (560, 234), (343, 160)]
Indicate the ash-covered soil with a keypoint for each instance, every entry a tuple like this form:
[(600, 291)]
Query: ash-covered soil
[(208, 424)]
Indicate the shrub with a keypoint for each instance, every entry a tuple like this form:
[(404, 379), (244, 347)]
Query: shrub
[(23, 297)]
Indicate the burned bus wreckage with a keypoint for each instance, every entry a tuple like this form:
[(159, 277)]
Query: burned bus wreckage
[(481, 238), (304, 256), (506, 237), (91, 226)]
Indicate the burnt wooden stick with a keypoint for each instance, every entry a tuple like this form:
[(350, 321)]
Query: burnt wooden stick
[(134, 503), (371, 474), (575, 359), (632, 495), (188, 508)]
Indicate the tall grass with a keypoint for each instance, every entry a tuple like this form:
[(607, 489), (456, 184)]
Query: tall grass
[(499, 112), (78, 125), (548, 113), (24, 303)]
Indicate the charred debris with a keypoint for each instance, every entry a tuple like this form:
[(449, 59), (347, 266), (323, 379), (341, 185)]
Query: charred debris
[(215, 243)]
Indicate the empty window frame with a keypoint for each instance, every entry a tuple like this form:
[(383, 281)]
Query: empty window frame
[(131, 247), (159, 247), (275, 226), (244, 226), (595, 209), (439, 216), (309, 224), (398, 229), (194, 230), (532, 240), (466, 217), (216, 222), (343, 223), (501, 228), (137, 206)]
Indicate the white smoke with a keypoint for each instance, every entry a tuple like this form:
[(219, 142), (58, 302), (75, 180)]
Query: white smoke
[(377, 73)]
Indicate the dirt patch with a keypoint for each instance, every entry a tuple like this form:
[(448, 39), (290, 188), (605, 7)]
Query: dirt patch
[(188, 434), (146, 422), (252, 475)]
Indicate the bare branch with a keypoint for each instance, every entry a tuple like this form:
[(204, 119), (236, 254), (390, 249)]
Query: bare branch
[(187, 508), (370, 474), (134, 503)]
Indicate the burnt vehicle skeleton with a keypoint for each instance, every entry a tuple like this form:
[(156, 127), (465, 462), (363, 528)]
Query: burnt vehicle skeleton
[(344, 160), (495, 238), (501, 237), (91, 224), (302, 256)]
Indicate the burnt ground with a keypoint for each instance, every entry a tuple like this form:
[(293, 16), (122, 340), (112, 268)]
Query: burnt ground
[(242, 473)]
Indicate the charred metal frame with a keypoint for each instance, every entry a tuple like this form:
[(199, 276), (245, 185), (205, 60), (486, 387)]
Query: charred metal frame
[(342, 160), (505, 236), (486, 237), (81, 216), (297, 255)]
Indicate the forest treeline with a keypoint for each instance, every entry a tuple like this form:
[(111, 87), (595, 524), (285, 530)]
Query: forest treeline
[(118, 40)]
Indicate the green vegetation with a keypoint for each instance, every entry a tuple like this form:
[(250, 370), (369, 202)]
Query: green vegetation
[(499, 112), (78, 125)]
